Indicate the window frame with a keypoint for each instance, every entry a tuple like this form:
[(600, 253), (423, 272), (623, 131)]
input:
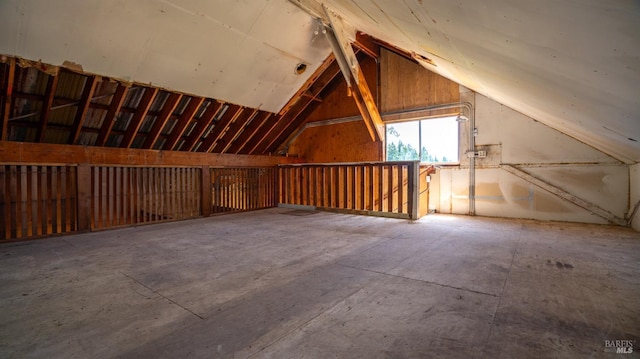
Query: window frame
[(420, 140)]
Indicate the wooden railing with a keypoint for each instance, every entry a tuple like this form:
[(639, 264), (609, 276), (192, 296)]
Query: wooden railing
[(37, 200), (375, 188), (242, 189), (123, 196), (43, 200)]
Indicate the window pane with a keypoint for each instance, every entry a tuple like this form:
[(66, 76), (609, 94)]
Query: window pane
[(440, 140), (403, 141)]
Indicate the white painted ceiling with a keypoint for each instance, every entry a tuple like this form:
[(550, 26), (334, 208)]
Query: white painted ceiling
[(240, 51), (571, 64)]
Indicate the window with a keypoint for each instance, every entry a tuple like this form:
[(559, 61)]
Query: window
[(430, 140)]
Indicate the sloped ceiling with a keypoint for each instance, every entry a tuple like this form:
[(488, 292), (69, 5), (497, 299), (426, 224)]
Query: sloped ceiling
[(242, 51), (573, 65)]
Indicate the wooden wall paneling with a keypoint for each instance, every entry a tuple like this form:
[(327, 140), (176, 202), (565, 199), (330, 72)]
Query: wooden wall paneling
[(203, 123), (183, 121), (342, 142), (232, 132), (248, 135), (161, 120), (407, 85), (146, 101), (233, 112), (83, 107), (7, 99), (301, 112), (112, 112), (45, 112)]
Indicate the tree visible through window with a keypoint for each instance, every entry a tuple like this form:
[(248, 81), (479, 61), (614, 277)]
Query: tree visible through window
[(430, 140)]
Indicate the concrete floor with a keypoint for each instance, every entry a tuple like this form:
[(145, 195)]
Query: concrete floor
[(283, 283)]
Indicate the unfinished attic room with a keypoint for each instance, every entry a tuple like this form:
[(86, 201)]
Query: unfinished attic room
[(319, 179)]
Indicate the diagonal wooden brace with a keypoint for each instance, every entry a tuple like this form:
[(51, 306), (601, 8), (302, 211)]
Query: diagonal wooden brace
[(350, 68)]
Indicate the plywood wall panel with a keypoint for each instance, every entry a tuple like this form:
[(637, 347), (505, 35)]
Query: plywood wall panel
[(339, 103), (406, 85), (344, 142)]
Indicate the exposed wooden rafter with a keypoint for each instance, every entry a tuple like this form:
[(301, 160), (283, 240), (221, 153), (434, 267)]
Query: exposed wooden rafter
[(7, 99), (83, 107), (367, 44), (251, 135), (183, 121), (202, 124), (346, 58), (148, 97), (233, 112), (223, 144), (47, 103), (162, 119), (110, 118)]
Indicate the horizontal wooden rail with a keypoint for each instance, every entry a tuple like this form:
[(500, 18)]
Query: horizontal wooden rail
[(375, 188)]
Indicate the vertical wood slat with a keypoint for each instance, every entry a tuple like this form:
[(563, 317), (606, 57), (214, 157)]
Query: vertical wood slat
[(4, 221), (376, 187), (36, 201)]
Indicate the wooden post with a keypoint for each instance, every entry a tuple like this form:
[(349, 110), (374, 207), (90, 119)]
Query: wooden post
[(414, 190), (84, 198), (205, 188)]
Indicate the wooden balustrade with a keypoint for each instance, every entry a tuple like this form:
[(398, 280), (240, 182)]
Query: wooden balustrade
[(375, 188), (242, 189), (42, 200), (37, 200), (123, 196)]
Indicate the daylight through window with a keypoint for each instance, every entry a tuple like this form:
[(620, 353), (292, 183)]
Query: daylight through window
[(431, 140)]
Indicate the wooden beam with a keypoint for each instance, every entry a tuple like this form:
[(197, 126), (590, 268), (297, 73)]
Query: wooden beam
[(350, 68), (209, 115), (112, 112), (183, 121), (233, 131), (295, 114), (162, 119), (7, 100), (300, 118), (366, 43), (149, 95), (46, 153), (83, 108), (233, 112), (250, 136), (304, 90), (47, 102)]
